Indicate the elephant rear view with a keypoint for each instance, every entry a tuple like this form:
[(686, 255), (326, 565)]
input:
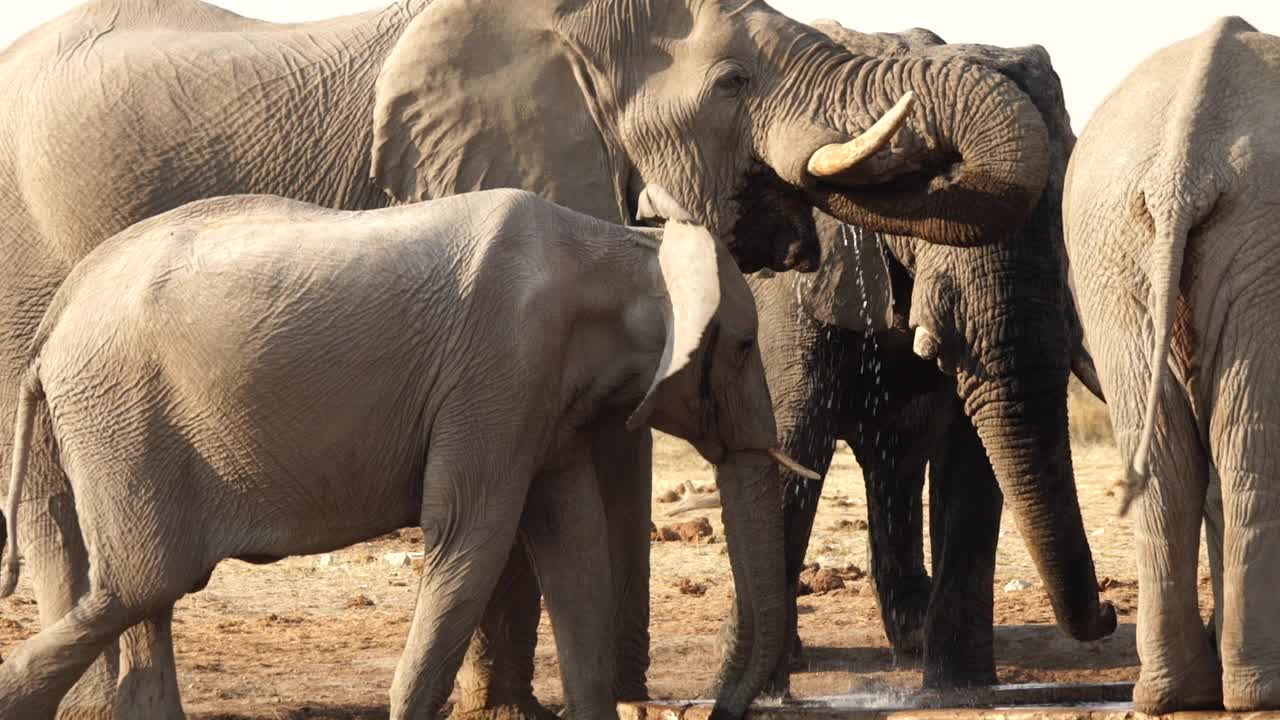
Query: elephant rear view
[(1172, 220), (251, 376)]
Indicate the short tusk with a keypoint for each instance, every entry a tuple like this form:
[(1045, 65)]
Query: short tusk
[(837, 158), (925, 344), (785, 461)]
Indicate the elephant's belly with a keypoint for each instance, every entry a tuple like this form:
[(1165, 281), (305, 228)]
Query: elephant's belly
[(277, 524)]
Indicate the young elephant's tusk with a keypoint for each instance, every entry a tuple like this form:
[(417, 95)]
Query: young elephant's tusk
[(785, 461)]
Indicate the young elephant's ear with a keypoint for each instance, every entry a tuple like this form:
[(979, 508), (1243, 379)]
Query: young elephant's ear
[(479, 95), (687, 258), (851, 288)]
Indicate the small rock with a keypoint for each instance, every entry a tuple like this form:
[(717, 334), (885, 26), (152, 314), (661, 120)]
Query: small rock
[(1017, 585), (819, 581), (358, 600), (325, 560), (401, 559), (690, 531), (689, 587), (669, 496), (859, 524), (1099, 531), (1108, 583)]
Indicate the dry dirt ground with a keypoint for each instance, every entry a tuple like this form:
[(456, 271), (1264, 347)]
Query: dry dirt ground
[(317, 637)]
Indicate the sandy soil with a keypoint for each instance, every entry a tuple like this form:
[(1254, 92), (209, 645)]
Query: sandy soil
[(319, 637)]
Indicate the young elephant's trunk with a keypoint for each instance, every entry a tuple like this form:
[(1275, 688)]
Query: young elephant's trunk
[(750, 491)]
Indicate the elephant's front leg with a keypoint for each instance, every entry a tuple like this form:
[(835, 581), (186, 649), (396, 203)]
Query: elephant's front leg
[(623, 462), (465, 549), (893, 452), (565, 531), (964, 529)]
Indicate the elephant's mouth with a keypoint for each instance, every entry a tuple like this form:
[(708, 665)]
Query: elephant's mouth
[(775, 227)]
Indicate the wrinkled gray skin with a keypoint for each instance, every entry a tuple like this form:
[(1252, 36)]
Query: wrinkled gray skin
[(1171, 217), (994, 422), (585, 102), (255, 377)]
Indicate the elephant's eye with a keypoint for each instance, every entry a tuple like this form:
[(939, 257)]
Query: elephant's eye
[(732, 80)]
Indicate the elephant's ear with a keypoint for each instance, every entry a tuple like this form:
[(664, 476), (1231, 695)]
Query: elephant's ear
[(478, 95), (851, 288), (687, 259)]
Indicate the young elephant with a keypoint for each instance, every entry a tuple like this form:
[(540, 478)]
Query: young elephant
[(256, 377)]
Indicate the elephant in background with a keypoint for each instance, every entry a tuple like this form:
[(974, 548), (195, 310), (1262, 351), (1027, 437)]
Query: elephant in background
[(289, 423), (1172, 212), (963, 365), (748, 118)]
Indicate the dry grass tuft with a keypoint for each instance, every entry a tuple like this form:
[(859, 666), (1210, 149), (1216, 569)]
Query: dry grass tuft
[(1089, 422)]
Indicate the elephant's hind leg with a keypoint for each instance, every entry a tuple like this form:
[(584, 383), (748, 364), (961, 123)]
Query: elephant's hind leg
[(964, 529), (35, 678), (1179, 668), (1244, 438), (148, 687), (57, 565)]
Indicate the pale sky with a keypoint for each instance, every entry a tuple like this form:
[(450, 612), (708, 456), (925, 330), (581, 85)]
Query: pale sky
[(1094, 43)]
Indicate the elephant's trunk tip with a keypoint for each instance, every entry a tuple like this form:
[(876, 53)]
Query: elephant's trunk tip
[(1100, 625)]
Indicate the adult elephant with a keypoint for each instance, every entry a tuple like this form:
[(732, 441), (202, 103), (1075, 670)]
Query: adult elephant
[(963, 367), (1171, 217), (122, 109)]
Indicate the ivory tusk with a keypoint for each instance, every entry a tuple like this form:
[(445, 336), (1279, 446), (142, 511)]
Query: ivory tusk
[(785, 461), (837, 158), (925, 344)]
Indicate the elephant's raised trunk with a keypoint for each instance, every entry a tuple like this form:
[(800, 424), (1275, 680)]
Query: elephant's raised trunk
[(968, 168), (1025, 435), (751, 496)]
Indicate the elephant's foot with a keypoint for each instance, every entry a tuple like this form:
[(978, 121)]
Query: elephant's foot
[(1246, 690), (903, 616), (954, 679), (528, 710), (1199, 688)]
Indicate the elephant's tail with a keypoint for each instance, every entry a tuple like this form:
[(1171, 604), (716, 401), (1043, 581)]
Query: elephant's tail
[(1164, 275), (29, 396)]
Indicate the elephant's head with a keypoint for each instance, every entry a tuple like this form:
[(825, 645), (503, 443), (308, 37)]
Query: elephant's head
[(708, 387), (1001, 319), (751, 118)]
